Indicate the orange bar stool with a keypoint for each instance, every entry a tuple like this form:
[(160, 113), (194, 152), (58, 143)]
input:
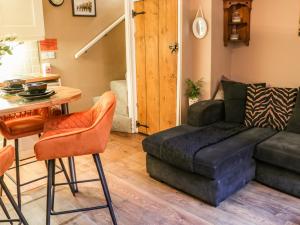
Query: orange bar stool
[(19, 125), (7, 157), (77, 134)]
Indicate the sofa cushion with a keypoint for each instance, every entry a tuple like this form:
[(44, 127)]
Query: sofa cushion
[(235, 95), (152, 144), (269, 107), (255, 107), (235, 99), (219, 92), (294, 122), (180, 151), (223, 158), (276, 177), (205, 112), (282, 150)]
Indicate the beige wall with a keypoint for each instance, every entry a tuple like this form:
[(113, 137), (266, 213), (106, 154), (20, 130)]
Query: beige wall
[(103, 62), (196, 53), (221, 56), (206, 58), (274, 52)]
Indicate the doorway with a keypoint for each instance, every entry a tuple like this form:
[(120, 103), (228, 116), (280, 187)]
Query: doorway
[(156, 56)]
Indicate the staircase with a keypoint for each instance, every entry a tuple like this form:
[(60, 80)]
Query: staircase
[(121, 121)]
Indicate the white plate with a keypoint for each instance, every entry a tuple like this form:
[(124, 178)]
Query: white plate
[(200, 27)]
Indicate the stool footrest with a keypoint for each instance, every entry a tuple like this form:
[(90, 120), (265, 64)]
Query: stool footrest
[(24, 164), (10, 221), (29, 182), (79, 210), (76, 182)]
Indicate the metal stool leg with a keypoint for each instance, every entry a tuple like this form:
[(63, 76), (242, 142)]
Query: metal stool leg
[(5, 210), (53, 188), (67, 176), (18, 182), (4, 142), (4, 145), (12, 201), (105, 187), (65, 111), (51, 174)]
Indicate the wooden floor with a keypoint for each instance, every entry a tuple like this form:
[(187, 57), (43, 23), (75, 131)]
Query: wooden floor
[(140, 200)]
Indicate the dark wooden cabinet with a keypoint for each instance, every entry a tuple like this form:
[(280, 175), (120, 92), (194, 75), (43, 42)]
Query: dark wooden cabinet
[(237, 21)]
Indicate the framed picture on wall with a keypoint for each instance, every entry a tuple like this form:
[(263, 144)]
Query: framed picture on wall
[(84, 7)]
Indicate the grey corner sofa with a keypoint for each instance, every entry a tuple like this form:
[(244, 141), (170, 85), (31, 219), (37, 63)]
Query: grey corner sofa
[(212, 159)]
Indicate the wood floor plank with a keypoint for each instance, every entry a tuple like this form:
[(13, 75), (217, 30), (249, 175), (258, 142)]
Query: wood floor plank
[(141, 200)]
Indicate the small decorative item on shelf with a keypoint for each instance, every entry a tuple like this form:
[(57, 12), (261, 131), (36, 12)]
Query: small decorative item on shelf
[(236, 17), (193, 91), (234, 35)]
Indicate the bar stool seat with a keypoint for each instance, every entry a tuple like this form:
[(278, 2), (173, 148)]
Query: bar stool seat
[(7, 157), (77, 134), (74, 135), (19, 125), (22, 127)]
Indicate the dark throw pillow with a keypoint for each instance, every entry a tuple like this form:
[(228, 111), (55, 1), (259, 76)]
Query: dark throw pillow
[(235, 95), (269, 107), (294, 122)]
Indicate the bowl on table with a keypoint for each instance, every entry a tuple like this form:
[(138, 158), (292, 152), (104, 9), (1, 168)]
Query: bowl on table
[(14, 83), (36, 88)]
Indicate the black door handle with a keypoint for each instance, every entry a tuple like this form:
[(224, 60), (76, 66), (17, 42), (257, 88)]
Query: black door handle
[(134, 13)]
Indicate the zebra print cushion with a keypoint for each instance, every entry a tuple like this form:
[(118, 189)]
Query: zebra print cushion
[(269, 107)]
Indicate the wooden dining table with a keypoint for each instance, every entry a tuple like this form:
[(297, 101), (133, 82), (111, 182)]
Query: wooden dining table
[(63, 96)]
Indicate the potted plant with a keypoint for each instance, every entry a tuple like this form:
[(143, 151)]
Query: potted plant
[(5, 47), (193, 91)]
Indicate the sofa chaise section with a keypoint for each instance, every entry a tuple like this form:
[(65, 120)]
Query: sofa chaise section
[(210, 162), (211, 191)]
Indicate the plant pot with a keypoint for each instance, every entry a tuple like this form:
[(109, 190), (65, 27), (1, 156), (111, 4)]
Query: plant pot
[(193, 101)]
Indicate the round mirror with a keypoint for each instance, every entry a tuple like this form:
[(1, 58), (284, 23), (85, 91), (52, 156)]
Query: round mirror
[(200, 27)]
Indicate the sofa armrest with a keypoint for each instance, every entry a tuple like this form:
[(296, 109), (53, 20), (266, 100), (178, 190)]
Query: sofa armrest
[(206, 112)]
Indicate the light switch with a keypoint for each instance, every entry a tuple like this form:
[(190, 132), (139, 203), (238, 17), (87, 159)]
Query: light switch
[(48, 55)]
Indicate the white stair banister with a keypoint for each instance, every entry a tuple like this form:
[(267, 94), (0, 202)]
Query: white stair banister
[(99, 37)]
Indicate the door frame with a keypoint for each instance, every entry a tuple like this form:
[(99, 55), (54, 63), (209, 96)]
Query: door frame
[(131, 64)]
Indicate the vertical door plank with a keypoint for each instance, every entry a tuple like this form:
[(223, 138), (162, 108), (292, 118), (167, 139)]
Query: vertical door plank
[(141, 66), (152, 65), (168, 35)]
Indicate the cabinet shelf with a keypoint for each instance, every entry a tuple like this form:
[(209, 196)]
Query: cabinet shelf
[(241, 9), (238, 24), (235, 41)]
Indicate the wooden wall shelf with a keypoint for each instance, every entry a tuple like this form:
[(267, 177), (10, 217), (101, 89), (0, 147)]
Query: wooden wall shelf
[(237, 21)]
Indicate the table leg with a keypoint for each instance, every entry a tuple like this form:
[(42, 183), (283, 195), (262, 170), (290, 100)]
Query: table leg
[(71, 160)]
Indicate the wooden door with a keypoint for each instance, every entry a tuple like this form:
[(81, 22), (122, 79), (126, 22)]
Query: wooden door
[(156, 64)]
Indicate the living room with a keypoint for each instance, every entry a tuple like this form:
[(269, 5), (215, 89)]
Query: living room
[(150, 112)]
